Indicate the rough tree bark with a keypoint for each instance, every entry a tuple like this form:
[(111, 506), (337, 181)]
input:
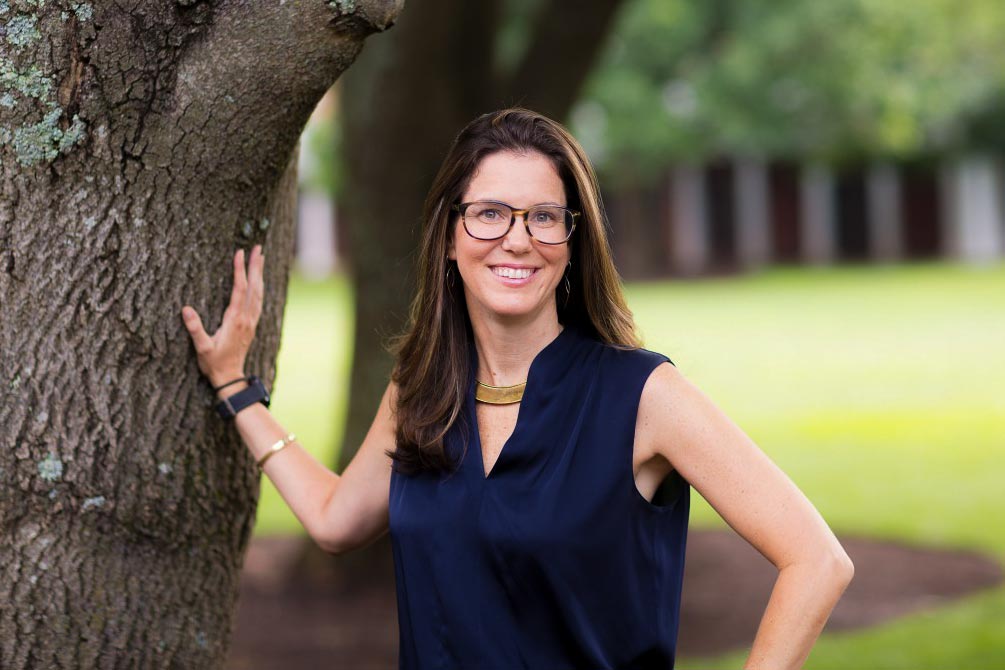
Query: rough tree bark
[(140, 143)]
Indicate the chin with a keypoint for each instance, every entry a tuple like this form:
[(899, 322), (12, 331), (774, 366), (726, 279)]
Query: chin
[(515, 309)]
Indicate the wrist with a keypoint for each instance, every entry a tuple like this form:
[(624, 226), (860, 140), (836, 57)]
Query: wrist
[(232, 389), (241, 394), (219, 379), (230, 383)]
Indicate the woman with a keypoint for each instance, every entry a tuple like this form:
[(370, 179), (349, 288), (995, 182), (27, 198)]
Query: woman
[(516, 451)]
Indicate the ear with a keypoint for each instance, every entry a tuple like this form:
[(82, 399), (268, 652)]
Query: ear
[(451, 254), (451, 232)]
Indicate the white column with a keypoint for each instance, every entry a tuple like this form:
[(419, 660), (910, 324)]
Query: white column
[(885, 218), (753, 229), (689, 247), (947, 208), (315, 235), (817, 221), (973, 220)]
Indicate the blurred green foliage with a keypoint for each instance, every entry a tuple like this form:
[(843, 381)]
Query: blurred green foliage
[(681, 80), (825, 79), (321, 166), (512, 35)]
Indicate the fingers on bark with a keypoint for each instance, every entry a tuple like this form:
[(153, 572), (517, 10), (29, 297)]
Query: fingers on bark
[(257, 283), (240, 282), (193, 323)]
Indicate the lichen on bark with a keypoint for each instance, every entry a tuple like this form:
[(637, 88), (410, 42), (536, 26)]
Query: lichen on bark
[(34, 140), (343, 6), (45, 140)]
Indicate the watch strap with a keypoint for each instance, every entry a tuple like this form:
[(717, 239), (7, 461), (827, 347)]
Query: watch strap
[(217, 389), (256, 392)]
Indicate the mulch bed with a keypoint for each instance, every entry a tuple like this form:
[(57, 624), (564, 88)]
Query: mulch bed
[(292, 617)]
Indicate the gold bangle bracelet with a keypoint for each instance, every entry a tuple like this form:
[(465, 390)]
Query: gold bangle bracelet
[(277, 447)]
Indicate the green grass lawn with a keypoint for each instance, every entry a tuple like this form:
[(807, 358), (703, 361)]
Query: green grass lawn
[(879, 390), (312, 373)]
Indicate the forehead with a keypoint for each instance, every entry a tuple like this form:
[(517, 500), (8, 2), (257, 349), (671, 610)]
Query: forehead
[(520, 179)]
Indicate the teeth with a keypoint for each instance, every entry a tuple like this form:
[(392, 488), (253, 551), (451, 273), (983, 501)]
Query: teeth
[(513, 273)]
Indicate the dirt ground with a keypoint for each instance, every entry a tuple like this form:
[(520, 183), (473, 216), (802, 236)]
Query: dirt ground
[(289, 620)]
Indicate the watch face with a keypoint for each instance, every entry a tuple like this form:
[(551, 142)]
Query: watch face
[(266, 399)]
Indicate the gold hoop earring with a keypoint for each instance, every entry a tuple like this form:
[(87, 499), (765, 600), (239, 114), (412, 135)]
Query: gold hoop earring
[(568, 285), (450, 275)]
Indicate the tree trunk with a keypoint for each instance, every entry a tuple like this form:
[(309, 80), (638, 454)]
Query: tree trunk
[(139, 147)]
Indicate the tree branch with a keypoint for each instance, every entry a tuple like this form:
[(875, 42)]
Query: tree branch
[(567, 39), (256, 75)]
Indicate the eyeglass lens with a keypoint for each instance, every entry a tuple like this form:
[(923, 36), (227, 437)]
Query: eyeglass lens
[(490, 220)]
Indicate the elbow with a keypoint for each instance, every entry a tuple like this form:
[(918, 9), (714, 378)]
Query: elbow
[(329, 540), (334, 542), (329, 546), (832, 566), (840, 566), (333, 546), (329, 530)]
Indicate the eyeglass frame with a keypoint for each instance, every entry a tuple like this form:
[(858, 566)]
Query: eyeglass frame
[(459, 207)]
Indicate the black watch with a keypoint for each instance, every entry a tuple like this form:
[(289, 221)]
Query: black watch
[(256, 392)]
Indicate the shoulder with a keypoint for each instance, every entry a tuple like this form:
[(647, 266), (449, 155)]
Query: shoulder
[(638, 361), (677, 420), (663, 404), (662, 385), (623, 367)]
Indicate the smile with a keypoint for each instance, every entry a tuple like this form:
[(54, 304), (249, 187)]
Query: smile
[(512, 273)]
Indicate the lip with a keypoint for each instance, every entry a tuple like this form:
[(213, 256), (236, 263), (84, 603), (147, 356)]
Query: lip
[(511, 281)]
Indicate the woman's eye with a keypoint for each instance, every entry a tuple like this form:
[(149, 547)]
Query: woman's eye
[(491, 214)]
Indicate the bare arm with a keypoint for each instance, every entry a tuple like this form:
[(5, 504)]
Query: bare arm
[(679, 422), (339, 512)]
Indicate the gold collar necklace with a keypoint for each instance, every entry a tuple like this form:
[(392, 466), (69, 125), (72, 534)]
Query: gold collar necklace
[(499, 395)]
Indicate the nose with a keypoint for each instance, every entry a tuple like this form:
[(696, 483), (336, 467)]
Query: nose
[(517, 239)]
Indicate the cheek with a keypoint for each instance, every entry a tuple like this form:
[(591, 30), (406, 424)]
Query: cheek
[(560, 259), (469, 252)]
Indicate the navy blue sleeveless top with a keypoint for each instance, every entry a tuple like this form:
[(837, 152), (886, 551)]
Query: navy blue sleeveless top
[(554, 560)]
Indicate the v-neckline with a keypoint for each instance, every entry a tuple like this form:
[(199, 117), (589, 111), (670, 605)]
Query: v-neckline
[(530, 389)]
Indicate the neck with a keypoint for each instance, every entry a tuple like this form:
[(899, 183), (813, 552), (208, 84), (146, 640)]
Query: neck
[(506, 350)]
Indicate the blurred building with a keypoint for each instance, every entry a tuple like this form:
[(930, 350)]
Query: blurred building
[(317, 248), (740, 214)]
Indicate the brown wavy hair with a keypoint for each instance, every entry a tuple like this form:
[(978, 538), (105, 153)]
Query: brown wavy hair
[(433, 353)]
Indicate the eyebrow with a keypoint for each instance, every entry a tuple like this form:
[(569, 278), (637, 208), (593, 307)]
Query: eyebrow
[(503, 202)]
